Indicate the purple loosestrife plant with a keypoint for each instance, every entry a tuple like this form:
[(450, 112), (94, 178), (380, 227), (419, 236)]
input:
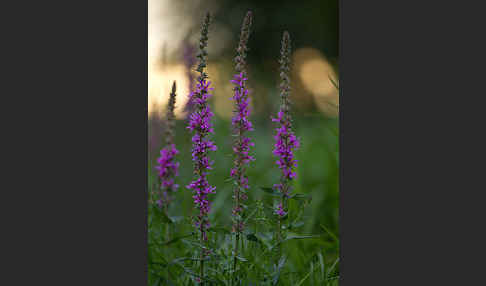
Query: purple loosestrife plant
[(285, 140), (200, 124), (241, 125), (279, 211), (166, 165)]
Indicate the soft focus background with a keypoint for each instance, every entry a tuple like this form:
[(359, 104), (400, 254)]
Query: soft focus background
[(173, 31)]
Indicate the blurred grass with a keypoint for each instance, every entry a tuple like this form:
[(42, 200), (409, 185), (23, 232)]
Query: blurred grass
[(318, 176)]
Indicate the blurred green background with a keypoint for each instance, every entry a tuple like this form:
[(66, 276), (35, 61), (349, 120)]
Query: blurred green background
[(313, 26)]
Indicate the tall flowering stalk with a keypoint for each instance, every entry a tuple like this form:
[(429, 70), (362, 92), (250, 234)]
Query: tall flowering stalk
[(200, 124), (241, 125), (166, 165), (285, 140)]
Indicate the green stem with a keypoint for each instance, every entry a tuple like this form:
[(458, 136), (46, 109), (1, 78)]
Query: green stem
[(202, 254), (167, 230), (236, 253), (237, 191)]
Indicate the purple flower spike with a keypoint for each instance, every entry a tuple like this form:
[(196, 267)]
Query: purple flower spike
[(200, 124), (241, 125), (167, 167), (285, 140), (280, 211)]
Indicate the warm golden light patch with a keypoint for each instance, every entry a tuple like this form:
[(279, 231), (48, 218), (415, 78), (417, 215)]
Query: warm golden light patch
[(313, 74), (223, 89), (159, 86), (314, 71), (169, 22)]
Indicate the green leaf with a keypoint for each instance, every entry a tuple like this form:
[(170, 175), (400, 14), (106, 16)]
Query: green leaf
[(294, 237), (271, 191), (241, 259), (181, 259), (332, 267), (301, 197), (219, 229), (176, 219), (166, 219), (194, 243), (297, 224), (301, 237), (177, 239), (336, 85), (281, 263), (330, 233), (305, 278), (251, 215), (158, 213), (157, 282), (162, 263), (321, 263)]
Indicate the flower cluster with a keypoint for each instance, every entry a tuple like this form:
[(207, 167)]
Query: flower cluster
[(168, 169), (241, 125), (240, 119), (241, 148), (200, 124), (285, 140), (285, 143), (280, 211), (166, 164)]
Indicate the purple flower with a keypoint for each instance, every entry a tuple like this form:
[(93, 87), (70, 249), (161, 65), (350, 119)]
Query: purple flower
[(280, 211), (167, 170), (241, 125), (285, 140), (200, 124), (285, 143), (166, 166)]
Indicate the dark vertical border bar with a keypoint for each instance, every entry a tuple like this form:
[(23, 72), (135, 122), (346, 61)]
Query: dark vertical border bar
[(404, 212), (81, 217)]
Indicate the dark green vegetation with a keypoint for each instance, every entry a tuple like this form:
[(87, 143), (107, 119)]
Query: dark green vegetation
[(309, 254)]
